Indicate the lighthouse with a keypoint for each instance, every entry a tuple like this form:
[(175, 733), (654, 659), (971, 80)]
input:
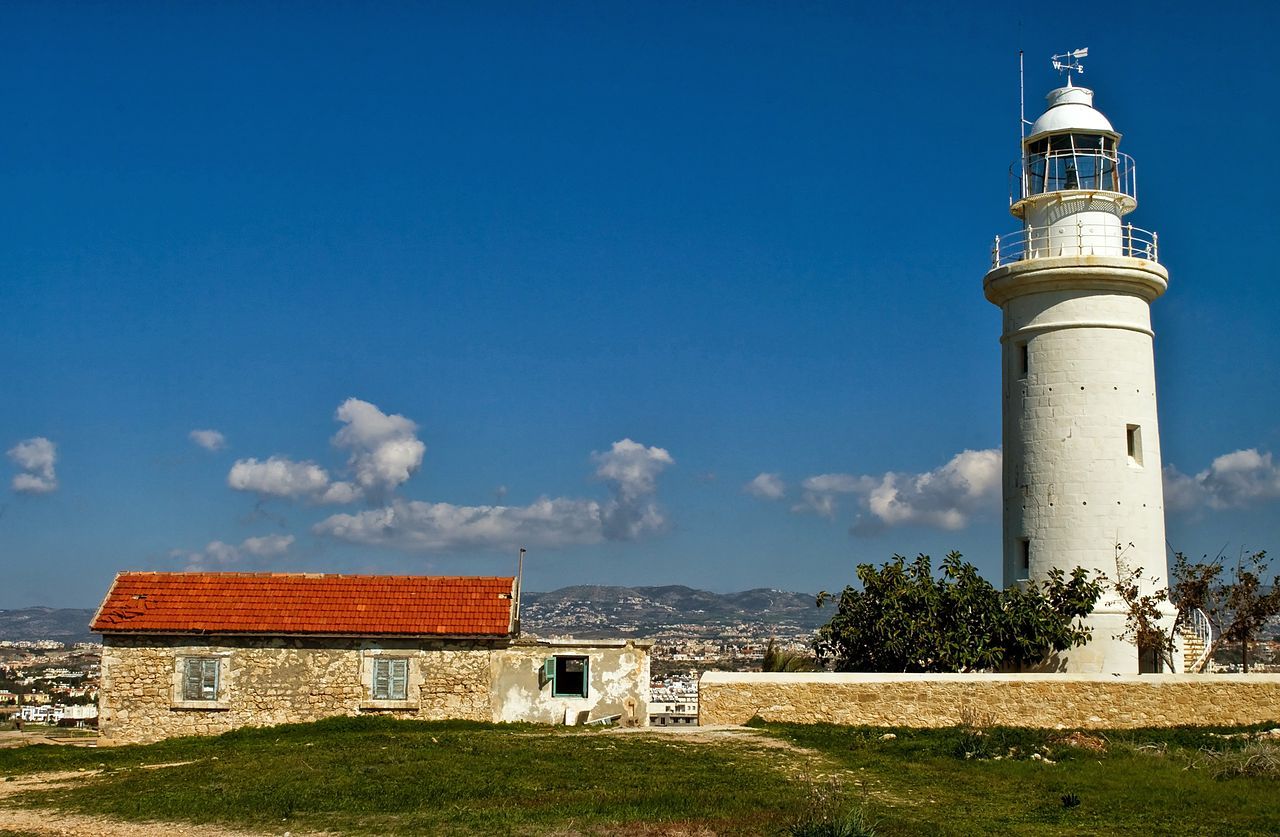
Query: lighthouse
[(1081, 440)]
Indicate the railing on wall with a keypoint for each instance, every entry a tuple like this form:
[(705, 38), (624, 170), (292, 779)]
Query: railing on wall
[(1045, 242), (1198, 625), (1065, 170)]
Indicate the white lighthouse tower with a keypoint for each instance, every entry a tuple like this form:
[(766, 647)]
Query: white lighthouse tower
[(1081, 442)]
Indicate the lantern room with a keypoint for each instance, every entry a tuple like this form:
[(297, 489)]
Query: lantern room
[(1072, 147)]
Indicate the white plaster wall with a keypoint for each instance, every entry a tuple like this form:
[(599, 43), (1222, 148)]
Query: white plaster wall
[(1075, 226), (1069, 483), (618, 684)]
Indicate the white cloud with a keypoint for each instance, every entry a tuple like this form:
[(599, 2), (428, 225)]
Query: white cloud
[(218, 555), (1182, 493), (383, 454), (1234, 480), (339, 493), (278, 476), (208, 439), (631, 469), (267, 545), (944, 498), (820, 492), (766, 487), (36, 457), (420, 526), (385, 451)]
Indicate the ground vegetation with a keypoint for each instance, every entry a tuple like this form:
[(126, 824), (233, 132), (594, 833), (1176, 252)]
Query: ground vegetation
[(381, 776)]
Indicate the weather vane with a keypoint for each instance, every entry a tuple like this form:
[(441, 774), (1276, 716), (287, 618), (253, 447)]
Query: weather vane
[(1069, 62)]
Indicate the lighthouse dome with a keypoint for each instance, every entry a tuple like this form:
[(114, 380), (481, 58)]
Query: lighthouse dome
[(1071, 109)]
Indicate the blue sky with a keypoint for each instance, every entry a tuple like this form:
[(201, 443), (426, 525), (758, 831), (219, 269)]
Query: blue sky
[(447, 279)]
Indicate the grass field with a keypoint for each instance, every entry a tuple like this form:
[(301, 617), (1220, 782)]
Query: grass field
[(379, 776)]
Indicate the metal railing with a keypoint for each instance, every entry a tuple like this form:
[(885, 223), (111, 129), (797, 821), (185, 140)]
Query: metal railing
[(1059, 240), (1197, 624), (1062, 170)]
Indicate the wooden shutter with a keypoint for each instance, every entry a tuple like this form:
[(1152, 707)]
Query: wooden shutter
[(390, 678), (191, 676), (399, 677), (381, 679), (200, 678), (209, 680)]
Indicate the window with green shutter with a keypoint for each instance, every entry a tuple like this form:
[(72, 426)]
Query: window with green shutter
[(391, 678), (200, 678), (569, 675)]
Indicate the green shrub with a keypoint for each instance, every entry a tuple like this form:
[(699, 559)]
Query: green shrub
[(1003, 743), (854, 822), (1254, 758)]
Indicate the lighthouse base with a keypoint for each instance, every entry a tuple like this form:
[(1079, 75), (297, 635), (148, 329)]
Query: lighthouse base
[(1107, 653)]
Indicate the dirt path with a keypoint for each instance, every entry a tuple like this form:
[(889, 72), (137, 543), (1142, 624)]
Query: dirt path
[(802, 763), (716, 734), (48, 823)]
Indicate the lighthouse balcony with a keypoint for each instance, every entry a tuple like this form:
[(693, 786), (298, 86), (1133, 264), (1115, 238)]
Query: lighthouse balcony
[(1073, 168), (1075, 240)]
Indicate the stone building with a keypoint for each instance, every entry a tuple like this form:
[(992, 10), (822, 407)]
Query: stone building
[(203, 653)]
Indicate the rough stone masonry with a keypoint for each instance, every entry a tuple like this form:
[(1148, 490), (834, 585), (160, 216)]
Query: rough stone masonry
[(1025, 700), (276, 680)]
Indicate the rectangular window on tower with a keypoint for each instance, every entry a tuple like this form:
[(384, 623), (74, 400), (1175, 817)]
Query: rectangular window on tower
[(1024, 556), (1133, 439), (1023, 360)]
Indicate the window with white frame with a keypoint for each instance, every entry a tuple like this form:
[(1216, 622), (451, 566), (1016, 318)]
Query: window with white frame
[(390, 678), (200, 678)]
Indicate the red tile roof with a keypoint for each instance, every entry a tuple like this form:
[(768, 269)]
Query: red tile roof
[(295, 603)]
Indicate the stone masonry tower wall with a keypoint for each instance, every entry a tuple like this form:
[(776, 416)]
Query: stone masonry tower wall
[(1082, 481)]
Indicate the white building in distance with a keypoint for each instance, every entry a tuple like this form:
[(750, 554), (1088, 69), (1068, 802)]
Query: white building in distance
[(1082, 482)]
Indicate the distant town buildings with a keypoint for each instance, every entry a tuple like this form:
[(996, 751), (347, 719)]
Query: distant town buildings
[(673, 700), (49, 682)]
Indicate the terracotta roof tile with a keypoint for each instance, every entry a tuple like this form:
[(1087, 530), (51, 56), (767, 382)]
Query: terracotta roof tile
[(306, 604)]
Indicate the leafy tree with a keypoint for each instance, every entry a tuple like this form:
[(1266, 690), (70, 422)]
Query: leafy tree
[(1237, 606), (907, 619), (776, 659), (1144, 622)]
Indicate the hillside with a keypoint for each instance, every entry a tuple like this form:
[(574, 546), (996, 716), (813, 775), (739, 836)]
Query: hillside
[(64, 624), (583, 609), (652, 609)]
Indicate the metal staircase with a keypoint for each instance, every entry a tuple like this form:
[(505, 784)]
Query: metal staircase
[(1197, 641)]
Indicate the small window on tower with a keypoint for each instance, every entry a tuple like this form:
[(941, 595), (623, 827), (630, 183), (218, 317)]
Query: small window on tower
[(1024, 360), (1024, 556), (1133, 438)]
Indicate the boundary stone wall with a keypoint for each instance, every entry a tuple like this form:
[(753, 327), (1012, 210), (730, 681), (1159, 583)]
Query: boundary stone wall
[(1028, 700)]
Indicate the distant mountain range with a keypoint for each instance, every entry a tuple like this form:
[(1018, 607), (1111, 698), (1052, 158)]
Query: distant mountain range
[(587, 608), (584, 609), (64, 624)]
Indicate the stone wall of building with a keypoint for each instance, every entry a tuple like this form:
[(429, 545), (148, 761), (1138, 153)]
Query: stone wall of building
[(275, 680), (1035, 700)]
